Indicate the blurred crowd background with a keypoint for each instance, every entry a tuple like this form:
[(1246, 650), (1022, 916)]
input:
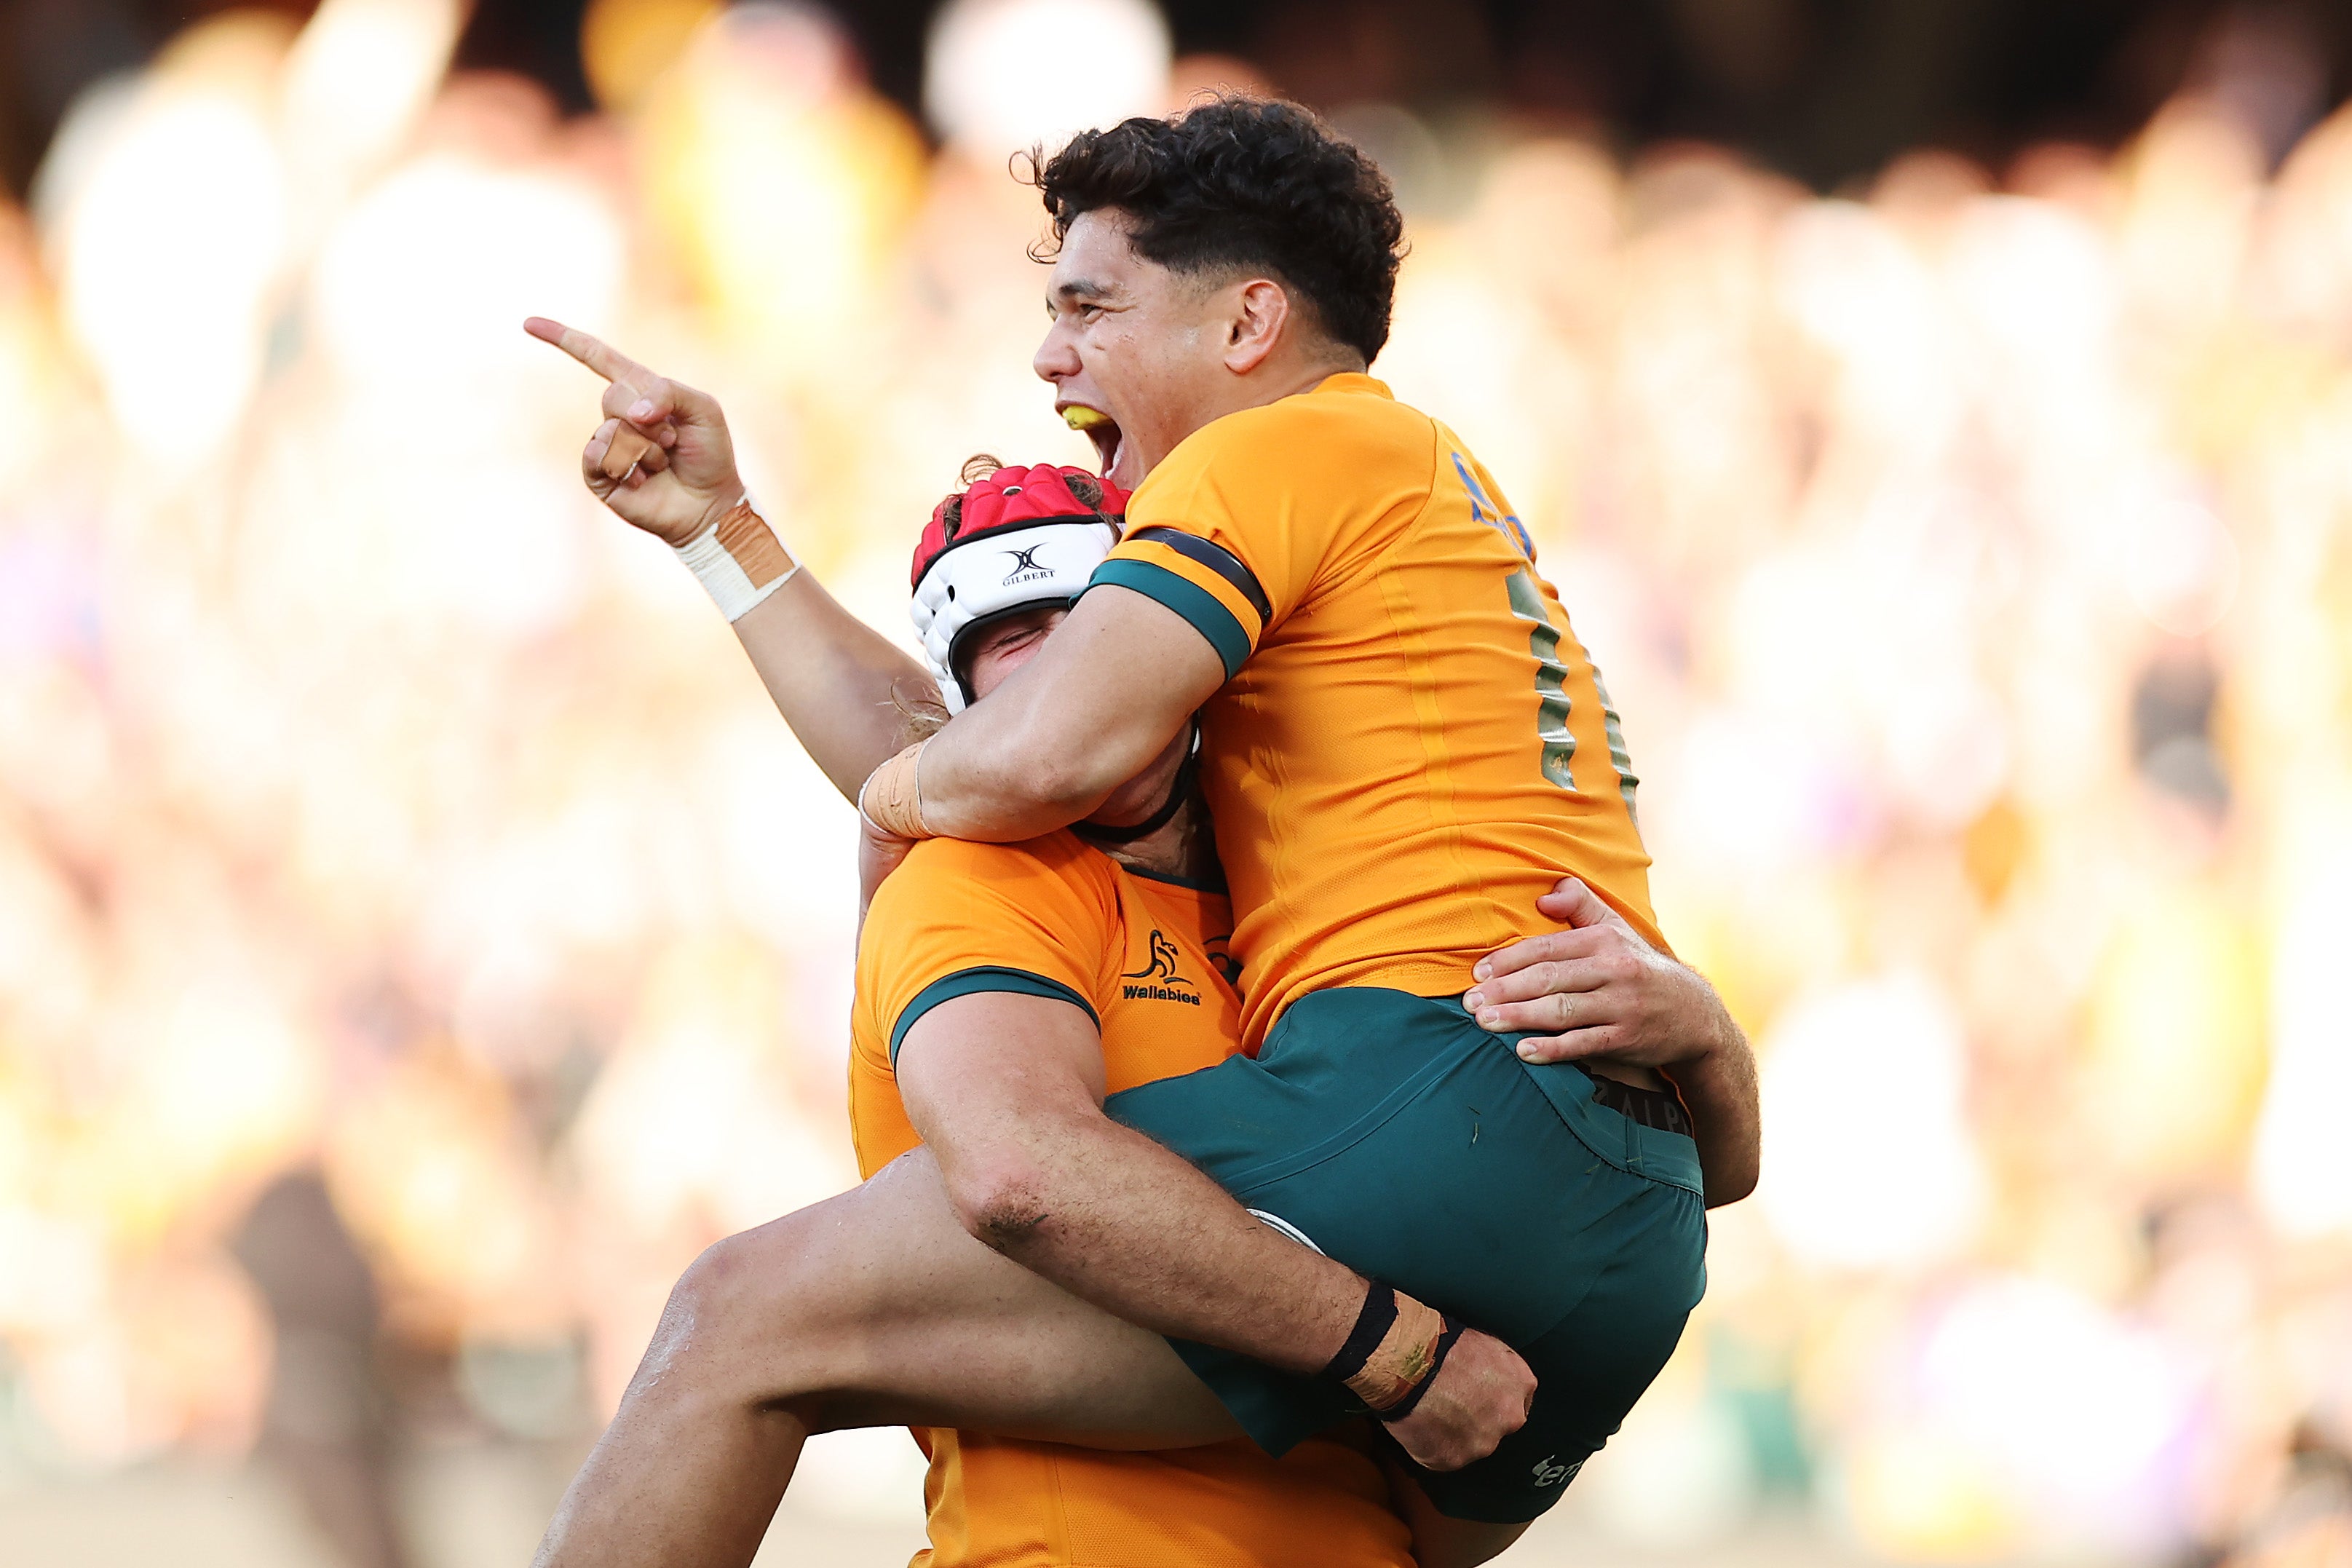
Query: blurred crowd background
[(418, 937)]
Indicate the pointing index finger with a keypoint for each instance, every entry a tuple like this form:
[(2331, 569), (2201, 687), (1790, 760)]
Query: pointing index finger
[(593, 353)]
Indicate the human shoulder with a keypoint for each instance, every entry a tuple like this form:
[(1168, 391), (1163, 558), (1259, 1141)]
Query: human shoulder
[(1348, 434), (1292, 500), (1048, 854), (948, 878), (957, 917)]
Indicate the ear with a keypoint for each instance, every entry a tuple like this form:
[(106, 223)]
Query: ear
[(1259, 319)]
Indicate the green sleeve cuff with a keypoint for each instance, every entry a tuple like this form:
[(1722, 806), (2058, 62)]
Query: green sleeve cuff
[(1189, 600), (985, 977)]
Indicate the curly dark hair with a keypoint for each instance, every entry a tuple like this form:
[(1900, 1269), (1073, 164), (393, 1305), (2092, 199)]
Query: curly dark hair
[(1241, 182)]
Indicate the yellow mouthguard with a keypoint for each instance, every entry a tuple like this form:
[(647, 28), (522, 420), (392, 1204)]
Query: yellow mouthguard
[(1080, 417)]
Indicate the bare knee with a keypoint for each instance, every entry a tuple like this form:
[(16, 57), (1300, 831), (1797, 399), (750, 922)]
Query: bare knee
[(747, 1323)]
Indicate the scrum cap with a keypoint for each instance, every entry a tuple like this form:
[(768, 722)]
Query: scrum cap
[(1023, 538)]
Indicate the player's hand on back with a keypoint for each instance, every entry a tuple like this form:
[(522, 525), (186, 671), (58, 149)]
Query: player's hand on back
[(662, 458), (1480, 1396), (1597, 990)]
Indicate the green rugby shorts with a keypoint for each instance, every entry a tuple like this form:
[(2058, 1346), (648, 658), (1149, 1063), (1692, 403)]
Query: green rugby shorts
[(1531, 1202)]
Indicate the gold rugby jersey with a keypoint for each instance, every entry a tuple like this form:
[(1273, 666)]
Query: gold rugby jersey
[(1412, 744), (1144, 958)]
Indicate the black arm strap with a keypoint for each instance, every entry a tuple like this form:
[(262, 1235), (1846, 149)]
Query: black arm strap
[(1373, 1320)]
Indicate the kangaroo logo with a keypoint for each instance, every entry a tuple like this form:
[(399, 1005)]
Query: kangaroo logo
[(1164, 962), (1157, 980), (1025, 562)]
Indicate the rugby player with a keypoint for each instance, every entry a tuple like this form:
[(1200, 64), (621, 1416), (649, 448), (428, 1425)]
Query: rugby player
[(1444, 747), (965, 941), (1404, 746)]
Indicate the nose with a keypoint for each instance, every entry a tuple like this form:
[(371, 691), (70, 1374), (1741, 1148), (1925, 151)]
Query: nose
[(1057, 356)]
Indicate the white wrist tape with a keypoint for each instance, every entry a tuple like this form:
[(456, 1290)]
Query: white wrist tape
[(739, 559)]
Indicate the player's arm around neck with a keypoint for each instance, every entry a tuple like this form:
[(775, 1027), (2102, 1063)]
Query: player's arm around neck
[(1098, 704)]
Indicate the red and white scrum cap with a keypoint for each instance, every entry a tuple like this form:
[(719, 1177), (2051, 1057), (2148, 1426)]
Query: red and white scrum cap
[(1023, 537)]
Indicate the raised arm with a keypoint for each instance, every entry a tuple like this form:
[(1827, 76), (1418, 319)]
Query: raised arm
[(1597, 992), (1007, 1089), (664, 462), (845, 689), (1104, 697)]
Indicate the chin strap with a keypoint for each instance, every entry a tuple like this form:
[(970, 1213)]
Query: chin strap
[(1179, 791)]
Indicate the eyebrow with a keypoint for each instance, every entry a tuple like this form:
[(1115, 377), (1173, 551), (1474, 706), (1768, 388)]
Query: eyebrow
[(1075, 287)]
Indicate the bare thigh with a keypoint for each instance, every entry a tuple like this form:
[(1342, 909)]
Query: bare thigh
[(876, 1308)]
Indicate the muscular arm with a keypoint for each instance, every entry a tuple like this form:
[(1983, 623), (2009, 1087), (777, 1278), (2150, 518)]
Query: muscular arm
[(1007, 1090), (1104, 697)]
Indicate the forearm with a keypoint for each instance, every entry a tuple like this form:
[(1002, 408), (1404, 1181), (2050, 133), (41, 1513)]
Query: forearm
[(1113, 685), (845, 689), (1119, 1220), (1004, 772), (1719, 1089)]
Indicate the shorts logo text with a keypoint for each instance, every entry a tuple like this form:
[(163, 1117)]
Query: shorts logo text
[(1548, 1474)]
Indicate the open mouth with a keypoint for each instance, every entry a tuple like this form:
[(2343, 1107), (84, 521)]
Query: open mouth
[(1098, 428)]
